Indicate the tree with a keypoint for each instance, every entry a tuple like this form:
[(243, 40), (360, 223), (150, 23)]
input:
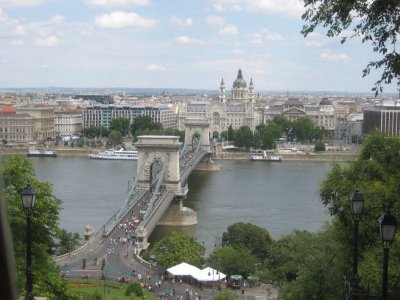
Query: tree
[(233, 261), (121, 125), (252, 237), (230, 134), (176, 248), (309, 265), (115, 138), (135, 289), (244, 137), (68, 241), (376, 22), (376, 174), (17, 172), (143, 122), (303, 129), (225, 294), (319, 146)]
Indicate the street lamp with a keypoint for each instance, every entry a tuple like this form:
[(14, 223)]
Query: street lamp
[(357, 205), (28, 202), (387, 225)]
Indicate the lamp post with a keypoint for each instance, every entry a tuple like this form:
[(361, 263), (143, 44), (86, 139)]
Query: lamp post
[(28, 202), (387, 225), (357, 205)]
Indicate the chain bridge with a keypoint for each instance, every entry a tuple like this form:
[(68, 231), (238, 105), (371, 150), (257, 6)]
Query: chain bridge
[(164, 165)]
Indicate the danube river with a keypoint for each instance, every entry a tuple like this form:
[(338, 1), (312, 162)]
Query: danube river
[(280, 197)]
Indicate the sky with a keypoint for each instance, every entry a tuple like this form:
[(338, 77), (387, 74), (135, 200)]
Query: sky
[(190, 44)]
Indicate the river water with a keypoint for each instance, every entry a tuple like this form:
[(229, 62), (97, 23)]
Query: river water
[(279, 197)]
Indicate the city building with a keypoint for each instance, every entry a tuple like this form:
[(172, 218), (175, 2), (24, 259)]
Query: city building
[(68, 122), (236, 110), (383, 118), (100, 115), (15, 128), (323, 114), (43, 121)]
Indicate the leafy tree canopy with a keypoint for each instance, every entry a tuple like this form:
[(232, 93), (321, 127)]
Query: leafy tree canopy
[(233, 261), (376, 22), (376, 173), (115, 138), (248, 236), (17, 172), (142, 123), (121, 125), (177, 248)]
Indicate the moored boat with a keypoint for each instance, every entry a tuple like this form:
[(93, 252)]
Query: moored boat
[(265, 157), (116, 155), (38, 153)]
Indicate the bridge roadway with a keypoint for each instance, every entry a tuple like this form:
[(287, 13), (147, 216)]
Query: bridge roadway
[(121, 249)]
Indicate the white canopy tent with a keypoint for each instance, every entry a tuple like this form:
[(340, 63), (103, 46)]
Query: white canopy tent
[(183, 269), (209, 274)]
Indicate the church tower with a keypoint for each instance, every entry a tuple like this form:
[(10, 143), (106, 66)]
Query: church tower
[(251, 91), (239, 89), (222, 98)]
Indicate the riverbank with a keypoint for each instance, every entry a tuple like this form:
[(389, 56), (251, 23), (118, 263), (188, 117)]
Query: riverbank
[(342, 156)]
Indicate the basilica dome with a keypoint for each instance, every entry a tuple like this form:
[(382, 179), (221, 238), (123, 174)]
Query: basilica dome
[(239, 82)]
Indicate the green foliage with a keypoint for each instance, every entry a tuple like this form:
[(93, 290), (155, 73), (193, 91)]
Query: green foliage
[(142, 123), (244, 137), (376, 173), (135, 289), (103, 263), (233, 261), (225, 294), (121, 125), (230, 134), (319, 146), (115, 138), (376, 22), (83, 263), (177, 248), (252, 237), (309, 266), (303, 129), (67, 241), (92, 132), (17, 172)]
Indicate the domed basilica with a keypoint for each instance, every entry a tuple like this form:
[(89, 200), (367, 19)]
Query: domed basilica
[(222, 111)]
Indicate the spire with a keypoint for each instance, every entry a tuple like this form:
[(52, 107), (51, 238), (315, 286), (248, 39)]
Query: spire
[(222, 91)]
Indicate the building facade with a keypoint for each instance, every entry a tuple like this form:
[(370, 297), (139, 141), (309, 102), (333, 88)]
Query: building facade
[(323, 114), (101, 115), (68, 123), (43, 121), (16, 128), (236, 110), (383, 118)]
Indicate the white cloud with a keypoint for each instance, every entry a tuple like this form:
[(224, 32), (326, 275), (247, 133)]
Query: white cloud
[(17, 43), (120, 19), (219, 7), (214, 20), (293, 8), (237, 51), (57, 19), (184, 40), (274, 37), (334, 57), (114, 3), (19, 30), (228, 30), (174, 21), (314, 39), (313, 43), (21, 2), (155, 67), (49, 41)]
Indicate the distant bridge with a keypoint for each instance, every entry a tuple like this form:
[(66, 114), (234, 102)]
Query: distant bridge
[(164, 165)]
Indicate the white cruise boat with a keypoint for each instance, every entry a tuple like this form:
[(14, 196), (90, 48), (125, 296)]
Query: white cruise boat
[(116, 155), (265, 157)]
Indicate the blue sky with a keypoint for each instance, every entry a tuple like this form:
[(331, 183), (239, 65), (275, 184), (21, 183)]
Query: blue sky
[(173, 44)]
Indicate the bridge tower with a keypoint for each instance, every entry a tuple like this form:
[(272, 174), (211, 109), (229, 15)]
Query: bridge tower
[(200, 127), (158, 150)]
